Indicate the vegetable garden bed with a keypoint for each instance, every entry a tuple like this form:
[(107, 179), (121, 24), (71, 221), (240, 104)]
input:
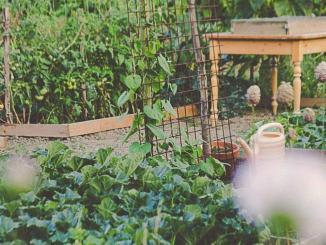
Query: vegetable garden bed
[(82, 128)]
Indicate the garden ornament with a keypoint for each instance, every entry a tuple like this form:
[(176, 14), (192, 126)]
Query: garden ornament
[(265, 145), (309, 115), (285, 93), (253, 95), (320, 72)]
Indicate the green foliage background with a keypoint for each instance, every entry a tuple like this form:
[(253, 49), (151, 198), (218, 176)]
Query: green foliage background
[(64, 50)]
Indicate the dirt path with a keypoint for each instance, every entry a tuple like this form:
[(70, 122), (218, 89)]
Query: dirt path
[(84, 145)]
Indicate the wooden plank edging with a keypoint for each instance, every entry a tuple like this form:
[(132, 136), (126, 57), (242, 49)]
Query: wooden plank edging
[(82, 128), (35, 130), (310, 102), (100, 125)]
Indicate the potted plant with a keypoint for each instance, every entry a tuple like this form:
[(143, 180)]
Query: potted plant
[(226, 152)]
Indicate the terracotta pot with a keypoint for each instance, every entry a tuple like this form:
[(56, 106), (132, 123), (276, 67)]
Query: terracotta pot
[(227, 156)]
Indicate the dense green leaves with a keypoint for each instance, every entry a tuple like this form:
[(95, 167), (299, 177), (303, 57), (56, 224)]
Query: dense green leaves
[(132, 199), (299, 132), (69, 62)]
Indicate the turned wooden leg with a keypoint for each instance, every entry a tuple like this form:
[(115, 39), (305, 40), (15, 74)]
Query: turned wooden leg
[(297, 86), (214, 57), (274, 84)]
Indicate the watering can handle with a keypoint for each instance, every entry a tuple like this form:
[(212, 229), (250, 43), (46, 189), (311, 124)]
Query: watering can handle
[(270, 125)]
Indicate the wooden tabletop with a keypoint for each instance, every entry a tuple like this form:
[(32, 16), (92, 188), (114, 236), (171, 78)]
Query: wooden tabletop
[(232, 36)]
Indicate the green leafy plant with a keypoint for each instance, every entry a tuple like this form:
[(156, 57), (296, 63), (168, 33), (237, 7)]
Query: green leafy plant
[(299, 133), (68, 60), (108, 199)]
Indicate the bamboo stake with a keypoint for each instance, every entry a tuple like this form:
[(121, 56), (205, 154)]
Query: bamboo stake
[(6, 68), (147, 88), (200, 60), (82, 51)]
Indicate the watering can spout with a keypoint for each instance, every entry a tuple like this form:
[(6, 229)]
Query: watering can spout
[(249, 153)]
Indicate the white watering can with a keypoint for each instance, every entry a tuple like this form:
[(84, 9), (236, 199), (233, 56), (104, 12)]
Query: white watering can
[(265, 145)]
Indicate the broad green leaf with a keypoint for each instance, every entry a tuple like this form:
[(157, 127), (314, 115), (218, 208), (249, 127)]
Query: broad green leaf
[(136, 123), (200, 184), (133, 82), (38, 242), (55, 148), (7, 225), (29, 197), (159, 133), (68, 195), (153, 112), (168, 107), (212, 167), (136, 147), (192, 212), (37, 222), (164, 64), (107, 207), (133, 162), (174, 88), (89, 171), (91, 239), (60, 237), (124, 97), (76, 162), (103, 154), (141, 235), (12, 206), (77, 177), (283, 7), (102, 183), (256, 4), (207, 167)]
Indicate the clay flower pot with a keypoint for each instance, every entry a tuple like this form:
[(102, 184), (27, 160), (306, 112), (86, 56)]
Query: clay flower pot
[(226, 152)]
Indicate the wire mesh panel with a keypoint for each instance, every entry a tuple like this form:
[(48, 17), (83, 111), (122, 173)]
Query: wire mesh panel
[(178, 76)]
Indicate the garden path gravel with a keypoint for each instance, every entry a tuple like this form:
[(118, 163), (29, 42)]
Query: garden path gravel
[(83, 145)]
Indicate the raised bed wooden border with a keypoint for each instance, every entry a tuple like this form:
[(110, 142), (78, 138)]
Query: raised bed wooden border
[(82, 128), (311, 102)]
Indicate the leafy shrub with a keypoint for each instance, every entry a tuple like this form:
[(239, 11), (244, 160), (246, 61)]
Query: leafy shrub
[(68, 62)]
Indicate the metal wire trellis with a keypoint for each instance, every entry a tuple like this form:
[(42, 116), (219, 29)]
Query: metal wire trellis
[(166, 28)]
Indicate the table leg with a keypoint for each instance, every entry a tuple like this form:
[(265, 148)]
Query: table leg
[(214, 57), (274, 62), (296, 86)]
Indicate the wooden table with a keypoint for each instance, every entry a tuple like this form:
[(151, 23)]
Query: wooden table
[(274, 45)]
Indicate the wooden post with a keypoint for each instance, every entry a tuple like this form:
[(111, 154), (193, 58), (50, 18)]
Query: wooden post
[(82, 51), (200, 60), (297, 57), (274, 62), (214, 57), (297, 86), (6, 68)]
